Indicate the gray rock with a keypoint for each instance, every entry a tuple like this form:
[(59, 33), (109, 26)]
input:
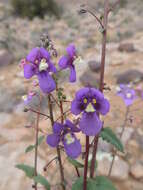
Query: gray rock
[(89, 79), (94, 66), (6, 58), (129, 76), (120, 168), (137, 170), (126, 47)]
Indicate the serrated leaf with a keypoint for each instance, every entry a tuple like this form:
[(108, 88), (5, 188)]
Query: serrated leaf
[(42, 180), (91, 184), (31, 147), (28, 170), (75, 163), (103, 183), (108, 135)]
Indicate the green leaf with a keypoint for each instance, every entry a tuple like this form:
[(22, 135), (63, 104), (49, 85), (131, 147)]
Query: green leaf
[(108, 135), (28, 170), (42, 180), (103, 183), (100, 183), (40, 139), (75, 163), (31, 147), (91, 184)]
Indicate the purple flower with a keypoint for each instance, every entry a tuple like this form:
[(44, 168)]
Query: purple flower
[(90, 102), (126, 93), (65, 133), (38, 63), (67, 61)]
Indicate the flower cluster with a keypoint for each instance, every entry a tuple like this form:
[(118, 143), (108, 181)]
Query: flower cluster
[(89, 102)]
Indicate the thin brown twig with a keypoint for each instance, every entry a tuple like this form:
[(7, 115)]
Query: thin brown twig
[(38, 112), (36, 143), (113, 6)]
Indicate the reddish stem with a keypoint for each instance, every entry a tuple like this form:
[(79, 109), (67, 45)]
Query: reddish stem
[(86, 164), (58, 149), (101, 86)]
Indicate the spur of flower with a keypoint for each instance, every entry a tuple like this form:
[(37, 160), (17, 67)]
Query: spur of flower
[(65, 133), (68, 60), (127, 93), (38, 62), (90, 102)]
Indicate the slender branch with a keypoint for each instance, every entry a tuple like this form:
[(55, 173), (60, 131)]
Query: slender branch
[(69, 110), (58, 149), (86, 164), (38, 112), (101, 86), (78, 174), (121, 134), (45, 167), (36, 143), (55, 100), (113, 6)]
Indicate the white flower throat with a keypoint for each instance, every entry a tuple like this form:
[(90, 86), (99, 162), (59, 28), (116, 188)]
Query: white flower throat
[(69, 138), (43, 65)]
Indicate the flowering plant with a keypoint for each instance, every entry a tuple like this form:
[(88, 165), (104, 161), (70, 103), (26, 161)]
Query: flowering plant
[(87, 108)]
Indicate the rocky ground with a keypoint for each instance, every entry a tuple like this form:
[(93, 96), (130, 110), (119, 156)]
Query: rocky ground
[(123, 64)]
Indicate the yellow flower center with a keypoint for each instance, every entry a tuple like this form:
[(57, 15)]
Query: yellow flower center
[(85, 100), (128, 95), (69, 138), (43, 65), (94, 101), (24, 97)]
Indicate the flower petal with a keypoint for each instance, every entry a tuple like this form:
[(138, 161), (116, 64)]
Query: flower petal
[(71, 50), (90, 124), (104, 107), (44, 53), (83, 92), (63, 62), (52, 67), (73, 150), (57, 127), (31, 57), (95, 93), (53, 140), (72, 126), (72, 74), (46, 82), (29, 70), (77, 107)]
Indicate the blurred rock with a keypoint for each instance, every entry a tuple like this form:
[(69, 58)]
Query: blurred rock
[(126, 47), (131, 75), (137, 170), (120, 168), (7, 100), (89, 78), (128, 131), (6, 58), (5, 118), (94, 66)]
